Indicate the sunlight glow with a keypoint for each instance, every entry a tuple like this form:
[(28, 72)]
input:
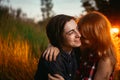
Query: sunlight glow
[(114, 30)]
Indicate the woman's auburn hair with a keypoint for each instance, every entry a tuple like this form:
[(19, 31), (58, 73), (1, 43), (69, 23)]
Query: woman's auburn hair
[(95, 27)]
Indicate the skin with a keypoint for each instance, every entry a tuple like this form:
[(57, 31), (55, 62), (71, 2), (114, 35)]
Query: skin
[(53, 53), (71, 36), (57, 77), (104, 69)]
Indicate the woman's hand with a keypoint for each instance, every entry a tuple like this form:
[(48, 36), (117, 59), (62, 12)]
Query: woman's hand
[(51, 53), (55, 77)]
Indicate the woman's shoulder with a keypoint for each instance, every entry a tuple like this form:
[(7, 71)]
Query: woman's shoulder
[(104, 68), (105, 60), (105, 63)]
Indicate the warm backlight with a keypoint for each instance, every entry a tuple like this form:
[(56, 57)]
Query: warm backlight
[(114, 30)]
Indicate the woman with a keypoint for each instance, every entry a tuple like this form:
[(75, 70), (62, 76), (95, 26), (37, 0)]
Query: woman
[(97, 53), (97, 60)]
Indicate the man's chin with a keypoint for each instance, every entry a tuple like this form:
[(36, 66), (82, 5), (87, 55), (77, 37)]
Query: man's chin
[(78, 45)]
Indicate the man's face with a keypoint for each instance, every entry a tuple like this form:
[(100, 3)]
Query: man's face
[(71, 35)]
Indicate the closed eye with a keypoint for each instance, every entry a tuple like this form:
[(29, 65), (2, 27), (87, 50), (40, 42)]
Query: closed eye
[(70, 32)]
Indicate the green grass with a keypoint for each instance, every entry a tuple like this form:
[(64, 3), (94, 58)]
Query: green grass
[(21, 44), (35, 34)]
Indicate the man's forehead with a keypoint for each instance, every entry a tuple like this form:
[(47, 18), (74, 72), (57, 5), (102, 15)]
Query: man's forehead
[(69, 26)]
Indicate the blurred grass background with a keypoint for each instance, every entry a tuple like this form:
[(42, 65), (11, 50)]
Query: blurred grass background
[(21, 44)]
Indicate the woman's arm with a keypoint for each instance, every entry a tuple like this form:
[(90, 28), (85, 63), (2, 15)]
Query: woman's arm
[(55, 77), (51, 53), (104, 69)]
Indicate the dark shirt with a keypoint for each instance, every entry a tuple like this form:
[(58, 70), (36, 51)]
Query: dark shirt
[(65, 65)]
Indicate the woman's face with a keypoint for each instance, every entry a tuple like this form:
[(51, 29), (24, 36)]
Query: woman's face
[(85, 42)]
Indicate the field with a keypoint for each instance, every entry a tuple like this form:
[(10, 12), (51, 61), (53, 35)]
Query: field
[(21, 45)]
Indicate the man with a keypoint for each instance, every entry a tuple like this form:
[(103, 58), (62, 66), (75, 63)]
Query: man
[(63, 33)]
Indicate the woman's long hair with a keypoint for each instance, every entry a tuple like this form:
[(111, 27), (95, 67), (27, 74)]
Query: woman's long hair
[(95, 27)]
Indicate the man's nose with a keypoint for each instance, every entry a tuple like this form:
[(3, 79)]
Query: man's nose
[(78, 33)]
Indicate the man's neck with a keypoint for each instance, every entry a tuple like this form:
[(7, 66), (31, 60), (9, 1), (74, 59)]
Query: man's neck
[(67, 50)]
